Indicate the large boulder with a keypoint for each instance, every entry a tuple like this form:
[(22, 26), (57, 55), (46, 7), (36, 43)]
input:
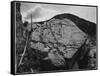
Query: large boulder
[(62, 38)]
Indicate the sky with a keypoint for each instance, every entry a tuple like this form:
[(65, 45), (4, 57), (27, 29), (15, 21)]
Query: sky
[(42, 12)]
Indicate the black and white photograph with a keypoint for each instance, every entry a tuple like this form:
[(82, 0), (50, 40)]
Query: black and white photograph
[(53, 37)]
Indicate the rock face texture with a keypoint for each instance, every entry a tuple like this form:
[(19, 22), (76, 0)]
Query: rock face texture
[(61, 39), (63, 42), (57, 36)]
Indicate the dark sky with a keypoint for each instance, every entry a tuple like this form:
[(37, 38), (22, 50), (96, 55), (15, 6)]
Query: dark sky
[(42, 12)]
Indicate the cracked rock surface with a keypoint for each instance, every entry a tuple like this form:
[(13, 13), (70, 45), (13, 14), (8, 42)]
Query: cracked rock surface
[(59, 38)]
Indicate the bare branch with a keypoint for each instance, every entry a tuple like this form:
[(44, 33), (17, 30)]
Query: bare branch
[(23, 52)]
